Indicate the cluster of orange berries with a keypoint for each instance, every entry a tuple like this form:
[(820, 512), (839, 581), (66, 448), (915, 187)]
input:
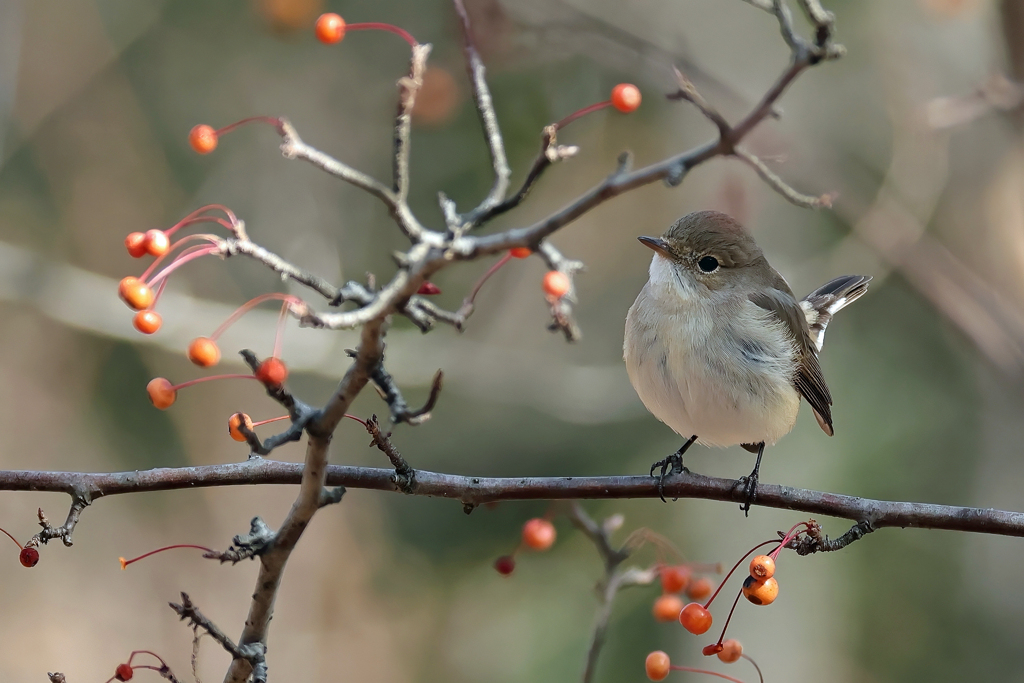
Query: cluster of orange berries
[(658, 665), (538, 534), (676, 579)]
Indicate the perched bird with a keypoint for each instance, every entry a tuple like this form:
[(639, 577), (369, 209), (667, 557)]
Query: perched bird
[(718, 347)]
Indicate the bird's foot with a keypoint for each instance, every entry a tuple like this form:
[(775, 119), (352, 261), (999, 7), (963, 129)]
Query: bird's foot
[(673, 464), (749, 485)]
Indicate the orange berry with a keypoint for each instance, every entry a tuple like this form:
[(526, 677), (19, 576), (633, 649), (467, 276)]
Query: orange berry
[(700, 588), (203, 138), (123, 672), (667, 607), (236, 421), (157, 242), (539, 534), (657, 665), (626, 97), (731, 651), (330, 28), (695, 618), (674, 579), (204, 352), (760, 592), (556, 284), (29, 557), (135, 243), (762, 567), (135, 293), (272, 372), (520, 252), (147, 322), (161, 393)]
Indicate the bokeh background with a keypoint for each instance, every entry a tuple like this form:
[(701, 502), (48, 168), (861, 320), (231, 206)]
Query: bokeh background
[(96, 100)]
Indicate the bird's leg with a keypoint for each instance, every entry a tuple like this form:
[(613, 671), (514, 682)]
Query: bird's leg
[(750, 483), (675, 461)]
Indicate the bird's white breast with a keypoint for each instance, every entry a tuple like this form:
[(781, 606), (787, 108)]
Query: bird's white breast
[(710, 363)]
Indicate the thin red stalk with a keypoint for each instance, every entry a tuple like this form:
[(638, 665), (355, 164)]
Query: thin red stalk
[(247, 306), (693, 670), (377, 26), (273, 419), (729, 618), (491, 271), (20, 546), (145, 652), (272, 120), (734, 567), (125, 563), (209, 207), (751, 660), (280, 330), (787, 538), (209, 379), (159, 290), (582, 112), (183, 258), (357, 419), (212, 239)]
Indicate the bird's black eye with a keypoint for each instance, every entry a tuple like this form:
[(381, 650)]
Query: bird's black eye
[(708, 264)]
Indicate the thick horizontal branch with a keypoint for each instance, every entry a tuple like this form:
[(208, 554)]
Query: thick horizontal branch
[(473, 491)]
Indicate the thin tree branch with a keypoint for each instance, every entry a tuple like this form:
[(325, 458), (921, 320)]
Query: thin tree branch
[(408, 87), (780, 186), (478, 490), (489, 120)]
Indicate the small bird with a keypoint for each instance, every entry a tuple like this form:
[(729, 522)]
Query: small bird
[(718, 347)]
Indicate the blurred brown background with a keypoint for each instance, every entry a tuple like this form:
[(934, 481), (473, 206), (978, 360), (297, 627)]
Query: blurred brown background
[(96, 100)]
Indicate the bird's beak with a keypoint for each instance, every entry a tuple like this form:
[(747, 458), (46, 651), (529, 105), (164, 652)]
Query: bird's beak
[(657, 244)]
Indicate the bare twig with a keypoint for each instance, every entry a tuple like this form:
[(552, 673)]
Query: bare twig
[(186, 609), (63, 532), (780, 186), (492, 132), (407, 89), (400, 411), (405, 476), (813, 541), (245, 547)]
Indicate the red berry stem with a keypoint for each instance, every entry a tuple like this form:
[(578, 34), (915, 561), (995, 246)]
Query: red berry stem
[(125, 563), (272, 120), (377, 26), (248, 305), (231, 223), (145, 652), (582, 112), (210, 379), (760, 676), (721, 585), (190, 254), (211, 239), (273, 419), (20, 546), (790, 535), (280, 329), (480, 283), (690, 669), (728, 619)]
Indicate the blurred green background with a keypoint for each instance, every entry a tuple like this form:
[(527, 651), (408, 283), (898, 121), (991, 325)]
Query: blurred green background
[(96, 101)]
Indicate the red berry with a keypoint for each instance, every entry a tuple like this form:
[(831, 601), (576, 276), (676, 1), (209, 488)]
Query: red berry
[(731, 651), (29, 557), (667, 607), (700, 589), (135, 293), (505, 565), (330, 28), (539, 534), (204, 352), (428, 288), (762, 567), (157, 242), (147, 322), (556, 284), (520, 252), (626, 97), (123, 672), (161, 393), (135, 243), (236, 421), (272, 372), (760, 592), (695, 618), (657, 665), (674, 579), (203, 138)]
